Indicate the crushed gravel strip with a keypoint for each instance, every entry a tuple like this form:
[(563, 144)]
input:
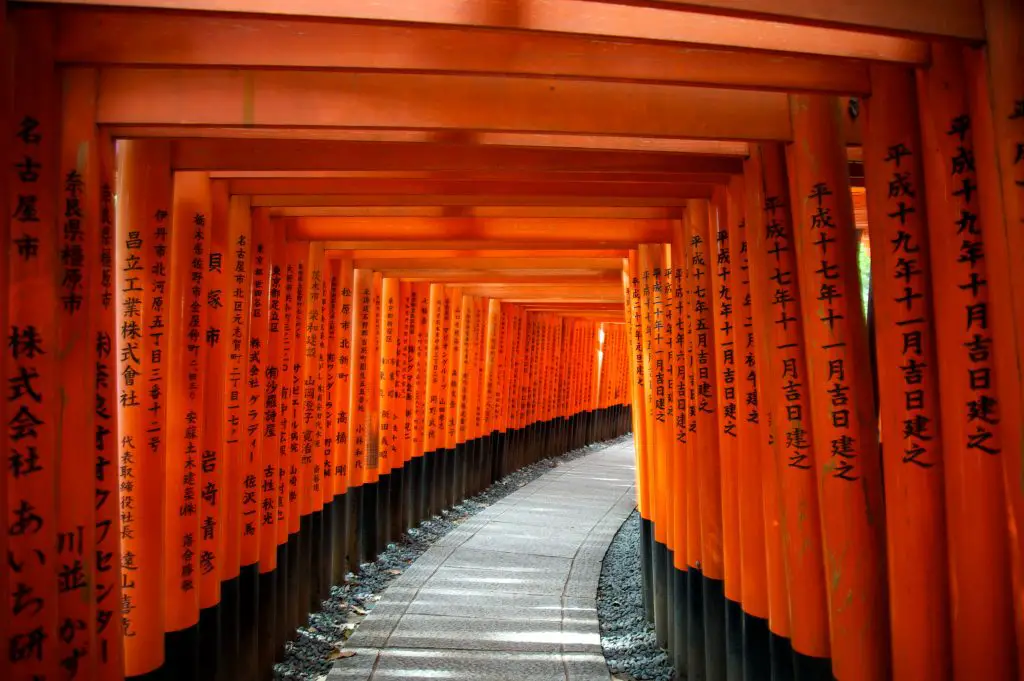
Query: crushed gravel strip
[(628, 639), (311, 654)]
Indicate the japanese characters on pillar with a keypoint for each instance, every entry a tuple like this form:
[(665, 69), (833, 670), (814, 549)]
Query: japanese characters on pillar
[(677, 396), (373, 468), (287, 496), (33, 648), (727, 347), (343, 364), (750, 434), (274, 455), (842, 395), (387, 375), (423, 367), (79, 247), (264, 388), (654, 458), (997, 106), (705, 410), (239, 530), (634, 316), (357, 434), (109, 657), (797, 599), (218, 285), (310, 457), (298, 259), (142, 246), (329, 427), (906, 366), (185, 343), (981, 607), (321, 476), (254, 478)]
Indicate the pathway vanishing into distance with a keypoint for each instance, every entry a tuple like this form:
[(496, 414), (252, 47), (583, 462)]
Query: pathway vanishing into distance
[(511, 593)]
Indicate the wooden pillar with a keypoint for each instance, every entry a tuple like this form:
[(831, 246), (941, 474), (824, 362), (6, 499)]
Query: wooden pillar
[(981, 606), (706, 455), (997, 106), (840, 391), (32, 298), (80, 294), (751, 447), (723, 253), (797, 604), (345, 368), (237, 262), (142, 257), (901, 276), (184, 398)]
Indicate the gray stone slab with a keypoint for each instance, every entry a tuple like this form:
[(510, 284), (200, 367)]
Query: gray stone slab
[(510, 563), (468, 665), (469, 633), (500, 581), (486, 604)]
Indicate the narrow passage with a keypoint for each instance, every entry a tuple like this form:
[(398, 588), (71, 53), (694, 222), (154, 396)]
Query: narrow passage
[(511, 593)]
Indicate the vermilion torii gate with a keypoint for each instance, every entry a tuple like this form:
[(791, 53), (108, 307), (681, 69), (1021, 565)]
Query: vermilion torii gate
[(281, 279)]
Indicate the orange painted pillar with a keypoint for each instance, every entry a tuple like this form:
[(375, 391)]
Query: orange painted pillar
[(727, 333), (680, 429), (841, 393), (751, 445), (454, 375), (142, 252), (634, 321), (266, 328), (432, 391), (237, 259), (387, 378), (695, 662), (907, 378), (310, 448), (346, 548), (981, 607), (79, 295), (708, 460), (185, 352), (32, 298), (262, 451), (110, 664), (997, 107), (357, 433), (796, 599), (216, 338)]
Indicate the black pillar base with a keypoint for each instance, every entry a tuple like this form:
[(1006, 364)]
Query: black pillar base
[(781, 650), (353, 538), (181, 656), (383, 516), (714, 627), (368, 544), (229, 625), (248, 668), (809, 668), (341, 530), (660, 574), (209, 643), (734, 661), (646, 567), (757, 657), (267, 628), (696, 662), (398, 504), (678, 644)]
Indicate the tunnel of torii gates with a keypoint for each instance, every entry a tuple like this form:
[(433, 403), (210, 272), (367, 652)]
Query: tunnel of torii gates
[(284, 279)]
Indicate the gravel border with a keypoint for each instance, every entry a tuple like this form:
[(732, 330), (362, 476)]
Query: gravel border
[(312, 653), (628, 639)]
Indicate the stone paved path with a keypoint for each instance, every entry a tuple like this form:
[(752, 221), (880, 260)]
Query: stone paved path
[(510, 593)]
